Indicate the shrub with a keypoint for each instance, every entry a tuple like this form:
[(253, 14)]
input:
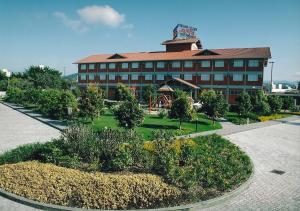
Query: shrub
[(49, 102), (162, 113), (129, 114), (275, 103), (123, 93), (288, 103), (14, 95), (55, 185), (181, 109), (244, 103), (91, 102), (271, 117), (260, 103)]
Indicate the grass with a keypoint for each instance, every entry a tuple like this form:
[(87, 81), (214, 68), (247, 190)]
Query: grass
[(153, 122), (235, 118)]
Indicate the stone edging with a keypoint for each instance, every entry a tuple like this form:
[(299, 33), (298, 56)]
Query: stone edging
[(194, 206), (32, 116)]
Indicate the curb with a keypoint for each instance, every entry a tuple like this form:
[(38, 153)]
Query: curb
[(34, 117), (194, 206)]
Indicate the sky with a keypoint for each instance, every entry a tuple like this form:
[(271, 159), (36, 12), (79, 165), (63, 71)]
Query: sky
[(57, 33)]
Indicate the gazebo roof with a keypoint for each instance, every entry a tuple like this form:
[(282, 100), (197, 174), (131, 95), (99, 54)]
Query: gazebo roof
[(165, 88)]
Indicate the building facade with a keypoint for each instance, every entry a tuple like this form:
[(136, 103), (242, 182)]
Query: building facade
[(229, 71)]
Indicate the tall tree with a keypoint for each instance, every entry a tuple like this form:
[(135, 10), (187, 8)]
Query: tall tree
[(43, 77), (288, 103), (91, 102), (261, 104), (213, 105), (181, 109), (149, 90), (123, 93), (244, 103), (129, 114), (275, 103)]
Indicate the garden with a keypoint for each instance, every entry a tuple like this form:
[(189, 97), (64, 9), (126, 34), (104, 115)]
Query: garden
[(117, 169)]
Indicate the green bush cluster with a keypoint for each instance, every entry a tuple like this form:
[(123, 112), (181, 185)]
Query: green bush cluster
[(200, 168)]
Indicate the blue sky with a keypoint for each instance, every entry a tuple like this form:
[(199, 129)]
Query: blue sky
[(57, 33)]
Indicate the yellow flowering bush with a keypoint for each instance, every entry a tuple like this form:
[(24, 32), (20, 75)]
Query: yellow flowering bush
[(271, 117), (68, 187)]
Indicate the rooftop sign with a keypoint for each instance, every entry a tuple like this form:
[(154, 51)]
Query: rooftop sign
[(184, 32)]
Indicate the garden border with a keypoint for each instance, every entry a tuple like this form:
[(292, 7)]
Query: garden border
[(194, 206)]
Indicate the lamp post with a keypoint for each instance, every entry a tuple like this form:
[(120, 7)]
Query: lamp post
[(272, 63)]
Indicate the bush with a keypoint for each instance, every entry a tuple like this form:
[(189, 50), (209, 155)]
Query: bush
[(129, 114), (288, 103), (163, 113), (260, 103), (275, 103), (55, 185), (14, 95)]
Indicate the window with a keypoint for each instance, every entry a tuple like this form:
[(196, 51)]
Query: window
[(102, 66), (91, 66), (124, 77), (148, 77), (124, 65), (175, 75), (160, 64), (160, 77), (205, 77), (238, 63), (102, 77), (112, 66), (91, 76), (111, 77), (252, 77), (219, 77), (253, 63), (175, 64), (237, 77), (134, 77), (82, 76), (135, 65), (83, 66), (235, 92), (188, 64), (149, 64), (219, 63), (188, 77), (205, 63)]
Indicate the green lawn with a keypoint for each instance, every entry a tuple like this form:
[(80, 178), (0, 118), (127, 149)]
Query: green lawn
[(153, 122)]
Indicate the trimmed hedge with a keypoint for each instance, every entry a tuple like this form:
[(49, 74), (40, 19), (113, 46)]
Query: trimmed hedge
[(56, 185)]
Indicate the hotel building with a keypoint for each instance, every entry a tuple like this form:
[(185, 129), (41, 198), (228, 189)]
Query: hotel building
[(184, 62)]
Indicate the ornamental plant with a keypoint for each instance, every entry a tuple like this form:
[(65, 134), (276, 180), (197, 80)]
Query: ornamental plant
[(244, 103)]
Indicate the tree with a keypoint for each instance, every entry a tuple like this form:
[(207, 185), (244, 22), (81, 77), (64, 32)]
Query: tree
[(123, 93), (149, 90), (244, 103), (179, 93), (275, 103), (45, 77), (129, 114), (288, 103), (261, 104), (213, 105), (91, 102), (181, 109)]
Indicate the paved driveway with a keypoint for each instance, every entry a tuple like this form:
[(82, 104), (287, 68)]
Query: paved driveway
[(270, 146)]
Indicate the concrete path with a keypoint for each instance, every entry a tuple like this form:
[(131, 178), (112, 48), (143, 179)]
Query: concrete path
[(271, 145), (17, 129)]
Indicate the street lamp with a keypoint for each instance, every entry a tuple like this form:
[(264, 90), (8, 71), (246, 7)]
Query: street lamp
[(271, 75)]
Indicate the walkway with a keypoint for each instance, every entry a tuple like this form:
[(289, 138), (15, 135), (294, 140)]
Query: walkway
[(271, 145), (17, 129)]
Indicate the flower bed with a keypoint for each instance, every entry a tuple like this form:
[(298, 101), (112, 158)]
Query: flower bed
[(272, 117), (167, 171), (62, 186)]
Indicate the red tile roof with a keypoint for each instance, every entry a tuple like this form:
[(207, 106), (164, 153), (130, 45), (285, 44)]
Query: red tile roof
[(228, 53)]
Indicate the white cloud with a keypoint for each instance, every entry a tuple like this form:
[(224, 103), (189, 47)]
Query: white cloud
[(75, 25), (105, 15)]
